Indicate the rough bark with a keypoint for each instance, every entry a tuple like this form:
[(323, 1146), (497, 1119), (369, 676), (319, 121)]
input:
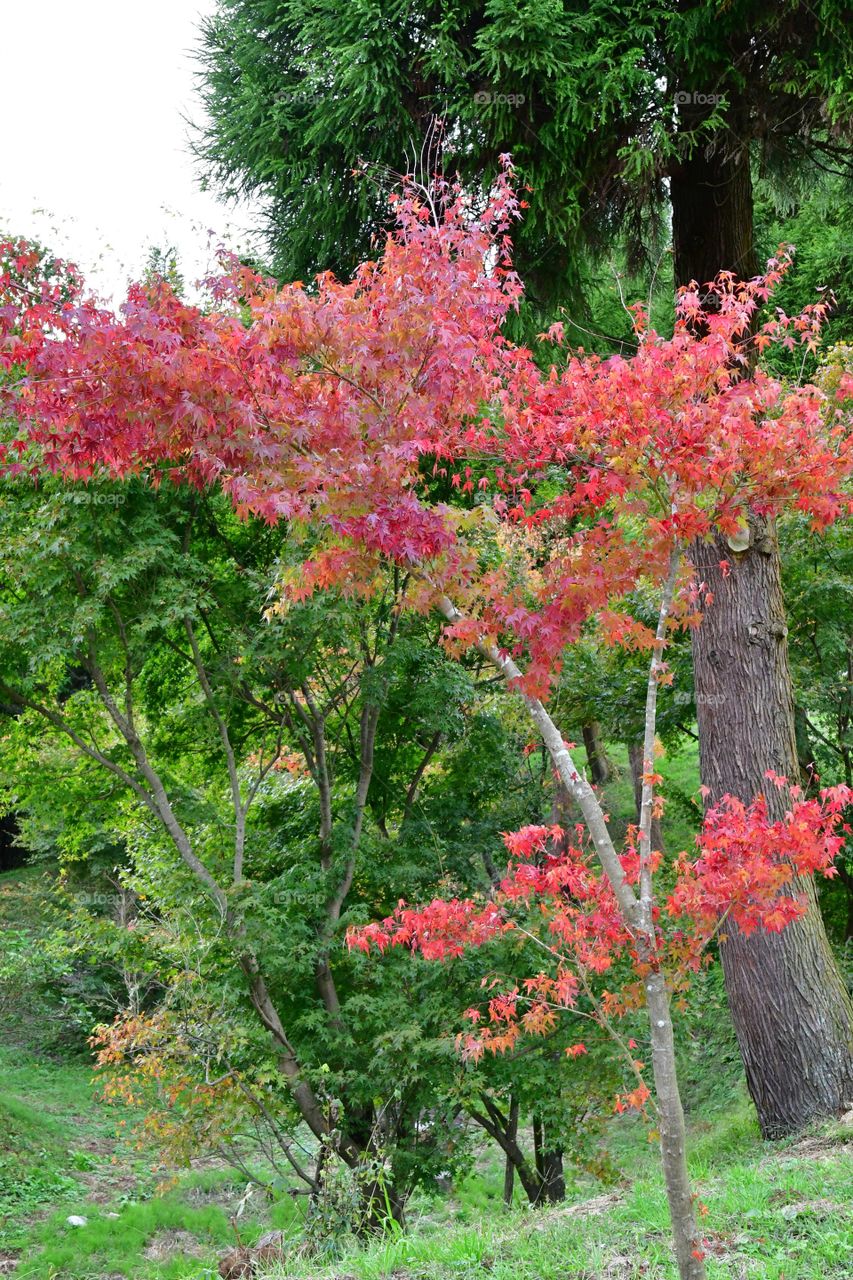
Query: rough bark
[(791, 1011), (596, 755), (712, 197)]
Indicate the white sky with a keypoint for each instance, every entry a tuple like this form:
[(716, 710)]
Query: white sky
[(94, 158)]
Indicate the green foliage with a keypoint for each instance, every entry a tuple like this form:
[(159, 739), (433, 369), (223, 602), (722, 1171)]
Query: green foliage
[(813, 214), (162, 264), (107, 590), (316, 108)]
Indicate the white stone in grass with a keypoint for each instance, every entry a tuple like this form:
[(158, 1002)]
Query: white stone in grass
[(76, 1220)]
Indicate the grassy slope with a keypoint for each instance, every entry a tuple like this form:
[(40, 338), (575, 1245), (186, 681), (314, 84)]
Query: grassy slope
[(63, 1152), (780, 1211)]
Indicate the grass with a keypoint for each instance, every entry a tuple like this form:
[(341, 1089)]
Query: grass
[(64, 1153), (780, 1212), (775, 1211), (57, 1145)]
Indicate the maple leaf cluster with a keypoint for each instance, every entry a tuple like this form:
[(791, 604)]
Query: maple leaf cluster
[(746, 869), (341, 405), (347, 406), (301, 403), (748, 865)]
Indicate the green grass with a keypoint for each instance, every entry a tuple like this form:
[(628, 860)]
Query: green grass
[(64, 1152), (775, 1211), (49, 1131), (780, 1212)]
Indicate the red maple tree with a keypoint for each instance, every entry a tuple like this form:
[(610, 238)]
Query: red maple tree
[(356, 407)]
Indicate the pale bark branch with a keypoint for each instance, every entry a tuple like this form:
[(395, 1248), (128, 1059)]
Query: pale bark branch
[(577, 786), (647, 793), (228, 750)]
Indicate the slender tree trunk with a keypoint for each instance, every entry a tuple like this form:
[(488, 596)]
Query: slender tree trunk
[(549, 1165), (504, 1130), (596, 755), (791, 1011), (685, 1234), (638, 914), (537, 1148), (509, 1168), (847, 880), (635, 759), (805, 754)]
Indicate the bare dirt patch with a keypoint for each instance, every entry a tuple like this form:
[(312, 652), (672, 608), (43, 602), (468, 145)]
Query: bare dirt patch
[(170, 1244), (818, 1148)]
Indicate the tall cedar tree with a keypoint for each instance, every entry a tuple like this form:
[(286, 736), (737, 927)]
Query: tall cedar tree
[(610, 111)]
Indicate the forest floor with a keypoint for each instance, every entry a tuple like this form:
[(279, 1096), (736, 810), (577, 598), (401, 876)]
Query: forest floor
[(780, 1211)]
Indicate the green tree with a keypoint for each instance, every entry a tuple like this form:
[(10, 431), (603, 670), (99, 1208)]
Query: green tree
[(610, 113), (226, 792)]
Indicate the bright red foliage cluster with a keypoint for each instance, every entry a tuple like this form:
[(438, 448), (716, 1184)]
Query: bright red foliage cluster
[(746, 870), (341, 403), (748, 864)]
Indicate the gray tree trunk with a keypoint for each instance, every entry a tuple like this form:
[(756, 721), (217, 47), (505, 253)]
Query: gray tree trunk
[(791, 1011)]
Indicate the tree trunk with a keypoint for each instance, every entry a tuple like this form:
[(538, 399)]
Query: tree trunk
[(685, 1233), (638, 914), (847, 880), (509, 1168), (791, 1011), (792, 1014), (549, 1165), (711, 194), (805, 753), (537, 1146), (504, 1130), (596, 755), (635, 759)]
